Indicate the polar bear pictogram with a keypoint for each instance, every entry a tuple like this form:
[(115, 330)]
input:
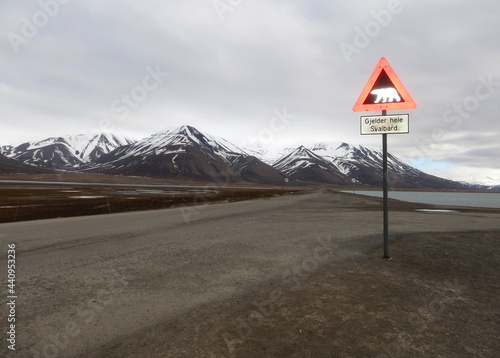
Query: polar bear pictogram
[(386, 95)]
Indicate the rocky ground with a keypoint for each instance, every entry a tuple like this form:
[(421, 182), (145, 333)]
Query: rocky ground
[(437, 297)]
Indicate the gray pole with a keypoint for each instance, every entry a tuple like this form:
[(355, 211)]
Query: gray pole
[(386, 209)]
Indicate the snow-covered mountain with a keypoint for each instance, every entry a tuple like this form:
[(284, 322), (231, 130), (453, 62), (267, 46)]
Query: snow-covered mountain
[(358, 164), (10, 166), (487, 183), (6, 149), (304, 165), (269, 155), (362, 163), (186, 153), (175, 141), (67, 152)]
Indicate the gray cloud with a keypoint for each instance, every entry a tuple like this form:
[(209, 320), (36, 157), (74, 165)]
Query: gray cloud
[(226, 75)]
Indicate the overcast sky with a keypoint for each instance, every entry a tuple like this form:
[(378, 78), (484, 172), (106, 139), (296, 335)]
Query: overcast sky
[(276, 72)]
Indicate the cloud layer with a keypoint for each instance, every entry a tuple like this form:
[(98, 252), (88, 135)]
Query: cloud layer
[(75, 67)]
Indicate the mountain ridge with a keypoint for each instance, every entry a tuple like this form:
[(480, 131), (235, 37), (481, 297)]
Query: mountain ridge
[(185, 153), (66, 152)]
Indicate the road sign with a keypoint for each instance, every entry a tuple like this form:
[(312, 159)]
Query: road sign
[(393, 124), (384, 91)]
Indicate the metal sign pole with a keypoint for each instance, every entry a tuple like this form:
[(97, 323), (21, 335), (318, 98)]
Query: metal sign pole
[(384, 91), (386, 206)]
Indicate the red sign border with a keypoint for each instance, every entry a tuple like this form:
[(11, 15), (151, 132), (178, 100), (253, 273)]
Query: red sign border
[(384, 65)]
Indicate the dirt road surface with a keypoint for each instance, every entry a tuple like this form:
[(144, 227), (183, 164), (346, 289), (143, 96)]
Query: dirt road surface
[(299, 275)]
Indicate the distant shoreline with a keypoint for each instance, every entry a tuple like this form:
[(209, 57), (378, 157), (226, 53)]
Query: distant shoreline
[(459, 199)]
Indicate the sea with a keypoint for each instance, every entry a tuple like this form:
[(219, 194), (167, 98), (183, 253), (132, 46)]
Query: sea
[(482, 200)]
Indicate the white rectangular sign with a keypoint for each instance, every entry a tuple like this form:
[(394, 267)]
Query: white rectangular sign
[(396, 123)]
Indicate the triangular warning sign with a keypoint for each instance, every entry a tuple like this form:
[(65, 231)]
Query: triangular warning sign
[(384, 91)]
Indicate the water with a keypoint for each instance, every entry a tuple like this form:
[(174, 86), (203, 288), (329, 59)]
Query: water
[(483, 200)]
